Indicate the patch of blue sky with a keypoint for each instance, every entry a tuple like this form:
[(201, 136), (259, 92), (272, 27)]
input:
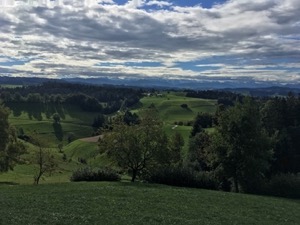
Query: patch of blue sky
[(281, 68), (143, 64), (282, 60), (291, 37), (121, 2), (196, 66), (13, 62), (211, 63), (109, 64), (182, 3), (231, 60), (204, 3)]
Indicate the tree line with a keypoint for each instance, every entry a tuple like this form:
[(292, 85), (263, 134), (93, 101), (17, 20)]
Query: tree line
[(91, 98)]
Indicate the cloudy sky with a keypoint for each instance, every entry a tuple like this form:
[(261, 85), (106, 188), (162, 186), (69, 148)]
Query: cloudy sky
[(179, 39)]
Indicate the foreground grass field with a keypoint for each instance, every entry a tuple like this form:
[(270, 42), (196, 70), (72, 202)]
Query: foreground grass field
[(127, 203)]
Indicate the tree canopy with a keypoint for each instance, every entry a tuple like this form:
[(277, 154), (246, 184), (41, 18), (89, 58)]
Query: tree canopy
[(137, 147), (10, 147), (241, 149)]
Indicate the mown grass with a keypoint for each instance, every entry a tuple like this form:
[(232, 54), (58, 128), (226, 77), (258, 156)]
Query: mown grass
[(168, 105), (127, 203), (89, 151), (80, 149), (24, 173), (170, 110), (35, 120)]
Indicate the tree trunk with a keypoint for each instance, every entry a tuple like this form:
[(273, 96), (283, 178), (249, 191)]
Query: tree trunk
[(236, 184), (37, 178), (134, 173)]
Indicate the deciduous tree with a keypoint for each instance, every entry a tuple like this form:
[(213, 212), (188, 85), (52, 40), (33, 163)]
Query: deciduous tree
[(10, 147), (241, 150), (43, 160), (137, 147)]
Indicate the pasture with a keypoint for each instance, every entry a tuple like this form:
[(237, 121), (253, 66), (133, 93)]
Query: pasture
[(127, 203), (170, 110), (36, 119)]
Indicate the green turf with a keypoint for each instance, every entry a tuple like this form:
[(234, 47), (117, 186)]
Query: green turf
[(36, 119), (81, 149), (168, 105), (170, 110), (127, 203), (24, 172), (89, 151)]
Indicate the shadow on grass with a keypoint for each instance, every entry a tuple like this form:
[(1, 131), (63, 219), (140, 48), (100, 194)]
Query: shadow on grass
[(8, 183), (138, 183)]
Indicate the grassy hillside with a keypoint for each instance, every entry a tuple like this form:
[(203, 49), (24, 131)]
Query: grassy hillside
[(170, 110), (89, 151), (127, 203), (168, 105), (24, 172), (37, 121), (32, 119)]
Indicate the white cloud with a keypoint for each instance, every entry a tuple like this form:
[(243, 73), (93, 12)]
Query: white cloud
[(159, 3), (69, 39), (135, 3)]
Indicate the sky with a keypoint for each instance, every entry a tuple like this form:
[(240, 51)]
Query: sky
[(255, 40)]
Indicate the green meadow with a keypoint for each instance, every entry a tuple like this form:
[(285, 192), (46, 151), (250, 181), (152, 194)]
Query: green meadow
[(168, 105), (37, 119), (127, 203)]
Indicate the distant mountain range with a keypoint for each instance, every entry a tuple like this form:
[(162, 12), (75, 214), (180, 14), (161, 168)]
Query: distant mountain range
[(249, 87)]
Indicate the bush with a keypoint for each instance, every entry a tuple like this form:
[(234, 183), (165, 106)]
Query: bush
[(185, 106), (87, 174), (183, 177), (283, 185), (180, 123)]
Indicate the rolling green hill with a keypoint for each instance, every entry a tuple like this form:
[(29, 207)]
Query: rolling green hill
[(24, 172), (170, 110), (76, 150), (31, 119), (168, 105), (127, 203), (88, 151)]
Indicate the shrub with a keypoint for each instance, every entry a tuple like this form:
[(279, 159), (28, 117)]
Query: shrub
[(180, 123), (185, 106), (183, 177), (283, 185), (88, 174)]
